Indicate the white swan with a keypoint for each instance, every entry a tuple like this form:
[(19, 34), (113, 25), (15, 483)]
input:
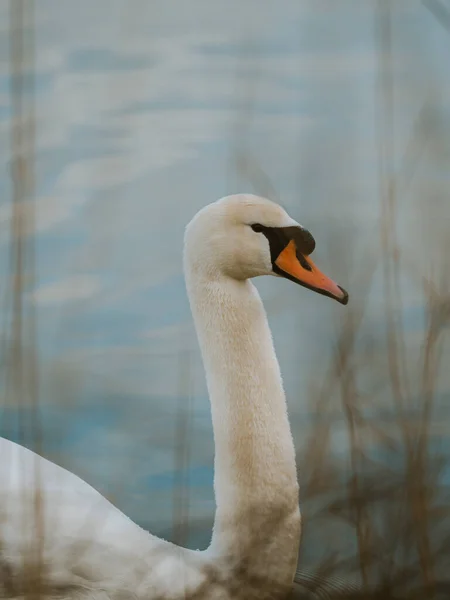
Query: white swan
[(88, 544)]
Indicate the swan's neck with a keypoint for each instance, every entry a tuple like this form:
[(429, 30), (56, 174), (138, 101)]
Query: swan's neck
[(257, 517)]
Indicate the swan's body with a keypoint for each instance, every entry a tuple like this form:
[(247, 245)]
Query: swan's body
[(87, 542)]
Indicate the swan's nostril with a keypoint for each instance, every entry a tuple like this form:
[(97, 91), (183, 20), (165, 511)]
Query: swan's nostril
[(302, 260)]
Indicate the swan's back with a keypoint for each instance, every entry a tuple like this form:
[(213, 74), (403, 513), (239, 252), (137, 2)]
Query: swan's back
[(82, 539), (69, 504)]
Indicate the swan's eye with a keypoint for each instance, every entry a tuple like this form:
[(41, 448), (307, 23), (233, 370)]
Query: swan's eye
[(257, 227)]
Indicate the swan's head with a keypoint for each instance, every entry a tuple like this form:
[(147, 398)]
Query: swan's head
[(244, 236)]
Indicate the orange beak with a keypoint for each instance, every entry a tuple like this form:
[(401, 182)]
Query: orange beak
[(307, 274)]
